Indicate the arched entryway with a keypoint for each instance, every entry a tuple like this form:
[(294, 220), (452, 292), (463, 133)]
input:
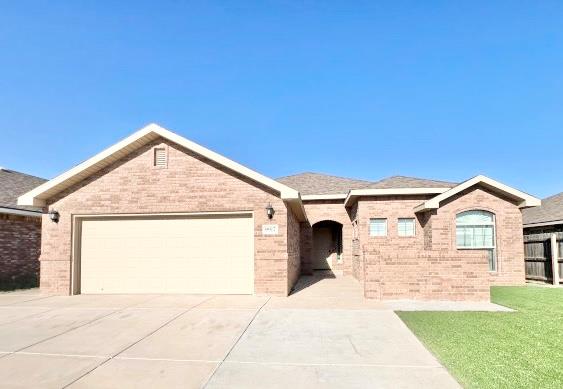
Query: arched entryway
[(327, 245)]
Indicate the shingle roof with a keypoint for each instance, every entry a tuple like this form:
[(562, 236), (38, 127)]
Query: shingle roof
[(321, 184), (551, 209), (409, 182), (13, 184)]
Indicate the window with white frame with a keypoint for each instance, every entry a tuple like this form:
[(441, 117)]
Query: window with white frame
[(378, 227), (406, 226), (476, 230)]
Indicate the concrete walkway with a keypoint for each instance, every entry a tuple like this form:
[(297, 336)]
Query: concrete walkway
[(323, 336)]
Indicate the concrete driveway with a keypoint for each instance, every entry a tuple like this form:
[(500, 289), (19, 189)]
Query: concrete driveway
[(324, 336)]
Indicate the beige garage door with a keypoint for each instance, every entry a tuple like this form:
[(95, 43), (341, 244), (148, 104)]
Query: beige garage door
[(211, 254)]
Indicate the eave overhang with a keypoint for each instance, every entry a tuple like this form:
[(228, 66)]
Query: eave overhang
[(39, 196), (354, 194), (523, 200)]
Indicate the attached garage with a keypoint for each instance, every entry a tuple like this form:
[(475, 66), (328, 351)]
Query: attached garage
[(158, 213), (211, 253)]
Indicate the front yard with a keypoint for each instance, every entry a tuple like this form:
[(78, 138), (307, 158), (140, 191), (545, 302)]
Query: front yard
[(523, 349)]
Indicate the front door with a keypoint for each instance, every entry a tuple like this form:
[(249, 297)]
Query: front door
[(323, 248)]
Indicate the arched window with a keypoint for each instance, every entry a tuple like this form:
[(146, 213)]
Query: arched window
[(476, 230)]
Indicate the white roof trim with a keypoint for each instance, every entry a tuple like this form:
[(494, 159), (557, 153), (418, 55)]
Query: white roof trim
[(355, 193), (37, 196), (21, 212), (340, 196), (524, 199)]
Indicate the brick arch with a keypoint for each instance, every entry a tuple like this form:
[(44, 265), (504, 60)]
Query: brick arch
[(326, 220), (336, 217), (329, 210), (474, 208)]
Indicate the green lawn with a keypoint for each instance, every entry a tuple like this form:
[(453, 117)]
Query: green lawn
[(522, 349)]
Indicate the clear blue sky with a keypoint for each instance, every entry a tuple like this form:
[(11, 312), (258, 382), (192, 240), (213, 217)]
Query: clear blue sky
[(435, 89)]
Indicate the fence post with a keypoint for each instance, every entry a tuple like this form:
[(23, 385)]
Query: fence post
[(554, 259)]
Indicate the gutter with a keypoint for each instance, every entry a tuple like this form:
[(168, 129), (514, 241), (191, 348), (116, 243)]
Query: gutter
[(355, 193), (20, 212), (543, 224), (341, 196)]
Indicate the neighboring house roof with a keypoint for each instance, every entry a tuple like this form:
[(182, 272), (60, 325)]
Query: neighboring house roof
[(550, 212), (523, 199), (39, 195), (322, 184), (12, 185)]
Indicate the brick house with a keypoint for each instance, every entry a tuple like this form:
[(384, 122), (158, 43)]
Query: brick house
[(20, 231), (157, 213)]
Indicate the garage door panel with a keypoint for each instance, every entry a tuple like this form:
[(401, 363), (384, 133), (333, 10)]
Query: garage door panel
[(168, 255)]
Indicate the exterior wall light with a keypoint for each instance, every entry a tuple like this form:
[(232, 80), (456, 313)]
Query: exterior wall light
[(270, 211), (54, 216)]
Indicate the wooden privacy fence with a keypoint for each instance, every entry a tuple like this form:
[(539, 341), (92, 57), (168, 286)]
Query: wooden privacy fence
[(538, 255)]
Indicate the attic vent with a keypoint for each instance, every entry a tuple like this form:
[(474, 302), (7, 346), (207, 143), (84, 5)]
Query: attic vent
[(160, 157)]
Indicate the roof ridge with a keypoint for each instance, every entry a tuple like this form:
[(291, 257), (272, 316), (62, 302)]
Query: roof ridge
[(325, 175), (294, 175), (417, 178), (552, 196)]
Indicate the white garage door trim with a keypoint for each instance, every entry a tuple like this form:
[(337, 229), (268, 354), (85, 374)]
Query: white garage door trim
[(77, 234)]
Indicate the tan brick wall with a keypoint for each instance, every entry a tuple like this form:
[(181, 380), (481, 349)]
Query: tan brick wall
[(306, 248), (357, 260), (509, 233), (190, 183), (318, 211), (426, 275), (293, 249), (20, 244), (357, 255), (398, 265), (391, 208), (55, 277)]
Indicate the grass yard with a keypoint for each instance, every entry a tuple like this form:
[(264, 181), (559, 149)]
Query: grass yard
[(522, 349)]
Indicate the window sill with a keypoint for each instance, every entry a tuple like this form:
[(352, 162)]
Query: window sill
[(475, 248)]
